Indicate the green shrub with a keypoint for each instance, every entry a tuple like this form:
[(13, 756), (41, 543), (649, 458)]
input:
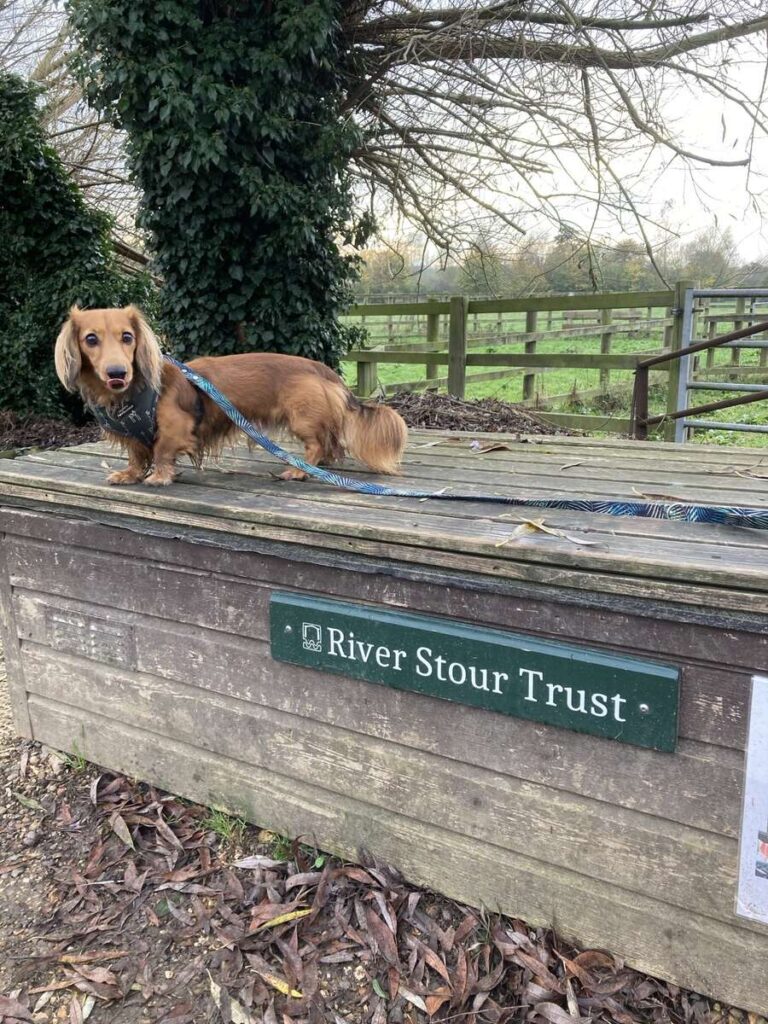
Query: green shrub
[(55, 251), (238, 143)]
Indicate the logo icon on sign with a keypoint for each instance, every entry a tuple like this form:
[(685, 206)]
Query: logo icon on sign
[(311, 637)]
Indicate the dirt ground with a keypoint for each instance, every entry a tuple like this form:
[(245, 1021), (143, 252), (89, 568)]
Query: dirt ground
[(39, 432), (123, 904)]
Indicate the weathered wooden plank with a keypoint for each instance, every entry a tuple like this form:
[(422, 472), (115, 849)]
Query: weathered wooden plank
[(9, 634), (492, 472), (714, 699), (625, 553), (647, 854), (690, 950), (604, 444), (483, 473), (705, 779), (603, 300), (240, 475), (575, 360), (583, 421), (397, 308), (745, 602), (152, 584), (695, 625), (611, 450), (238, 579)]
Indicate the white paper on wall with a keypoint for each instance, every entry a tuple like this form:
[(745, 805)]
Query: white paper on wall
[(752, 893)]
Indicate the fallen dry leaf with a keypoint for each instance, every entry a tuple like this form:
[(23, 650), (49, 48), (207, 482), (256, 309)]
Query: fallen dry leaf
[(383, 938), (279, 984), (552, 1012), (532, 525), (479, 449), (258, 862), (232, 1012), (282, 919), (28, 802), (119, 827), (412, 998), (13, 1008)]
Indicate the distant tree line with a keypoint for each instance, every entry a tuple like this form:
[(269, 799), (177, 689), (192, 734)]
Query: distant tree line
[(560, 265)]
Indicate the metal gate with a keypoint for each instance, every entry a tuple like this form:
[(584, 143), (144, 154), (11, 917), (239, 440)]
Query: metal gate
[(751, 307)]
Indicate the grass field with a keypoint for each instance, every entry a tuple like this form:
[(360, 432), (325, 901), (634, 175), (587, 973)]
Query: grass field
[(564, 385)]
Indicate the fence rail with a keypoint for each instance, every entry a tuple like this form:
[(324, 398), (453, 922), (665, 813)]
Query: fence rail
[(448, 342)]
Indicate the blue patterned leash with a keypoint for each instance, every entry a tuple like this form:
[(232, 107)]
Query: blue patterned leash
[(678, 511)]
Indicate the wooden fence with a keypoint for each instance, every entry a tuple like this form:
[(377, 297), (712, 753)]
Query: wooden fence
[(449, 344)]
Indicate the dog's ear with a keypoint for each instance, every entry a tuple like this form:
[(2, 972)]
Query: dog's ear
[(149, 356), (66, 354)]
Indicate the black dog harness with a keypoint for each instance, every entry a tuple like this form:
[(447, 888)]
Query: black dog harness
[(136, 416)]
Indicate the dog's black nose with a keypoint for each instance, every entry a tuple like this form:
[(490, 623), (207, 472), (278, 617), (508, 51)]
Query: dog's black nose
[(117, 372)]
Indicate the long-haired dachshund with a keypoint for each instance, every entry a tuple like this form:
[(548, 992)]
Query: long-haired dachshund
[(147, 405)]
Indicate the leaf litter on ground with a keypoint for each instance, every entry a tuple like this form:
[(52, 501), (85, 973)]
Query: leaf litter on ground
[(434, 410), (254, 938)]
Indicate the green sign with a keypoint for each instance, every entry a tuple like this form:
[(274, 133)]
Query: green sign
[(574, 687)]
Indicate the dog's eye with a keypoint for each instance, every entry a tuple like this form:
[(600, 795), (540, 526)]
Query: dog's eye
[(127, 337), (91, 339)]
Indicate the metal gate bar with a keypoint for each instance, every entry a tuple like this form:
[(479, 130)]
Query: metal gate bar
[(683, 415), (684, 423)]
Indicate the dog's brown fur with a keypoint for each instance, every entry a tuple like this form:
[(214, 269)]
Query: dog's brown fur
[(304, 397)]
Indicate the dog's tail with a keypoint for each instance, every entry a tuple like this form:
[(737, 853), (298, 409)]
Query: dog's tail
[(372, 433)]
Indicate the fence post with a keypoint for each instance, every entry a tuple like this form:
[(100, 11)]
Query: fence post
[(763, 356), (433, 330), (673, 377), (529, 379), (711, 333), (367, 375), (741, 305), (457, 346), (605, 348)]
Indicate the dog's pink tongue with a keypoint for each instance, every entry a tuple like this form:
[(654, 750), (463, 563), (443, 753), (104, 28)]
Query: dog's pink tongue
[(115, 384)]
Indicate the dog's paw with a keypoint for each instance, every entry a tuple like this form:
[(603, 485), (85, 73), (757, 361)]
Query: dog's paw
[(124, 476), (160, 478), (293, 474)]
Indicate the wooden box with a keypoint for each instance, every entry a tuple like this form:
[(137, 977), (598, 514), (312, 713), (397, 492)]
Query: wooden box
[(137, 633)]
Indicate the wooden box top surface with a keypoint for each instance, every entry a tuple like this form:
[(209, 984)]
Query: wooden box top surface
[(240, 495)]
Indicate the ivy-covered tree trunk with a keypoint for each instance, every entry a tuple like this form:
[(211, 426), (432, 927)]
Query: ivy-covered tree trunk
[(237, 144)]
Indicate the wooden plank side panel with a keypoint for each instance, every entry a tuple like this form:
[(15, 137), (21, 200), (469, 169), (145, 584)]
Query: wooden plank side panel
[(185, 569), (633, 850), (542, 571), (256, 558), (737, 638), (9, 635), (433, 536), (714, 699), (690, 950), (705, 780)]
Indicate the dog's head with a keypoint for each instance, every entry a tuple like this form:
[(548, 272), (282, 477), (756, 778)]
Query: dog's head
[(101, 351)]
